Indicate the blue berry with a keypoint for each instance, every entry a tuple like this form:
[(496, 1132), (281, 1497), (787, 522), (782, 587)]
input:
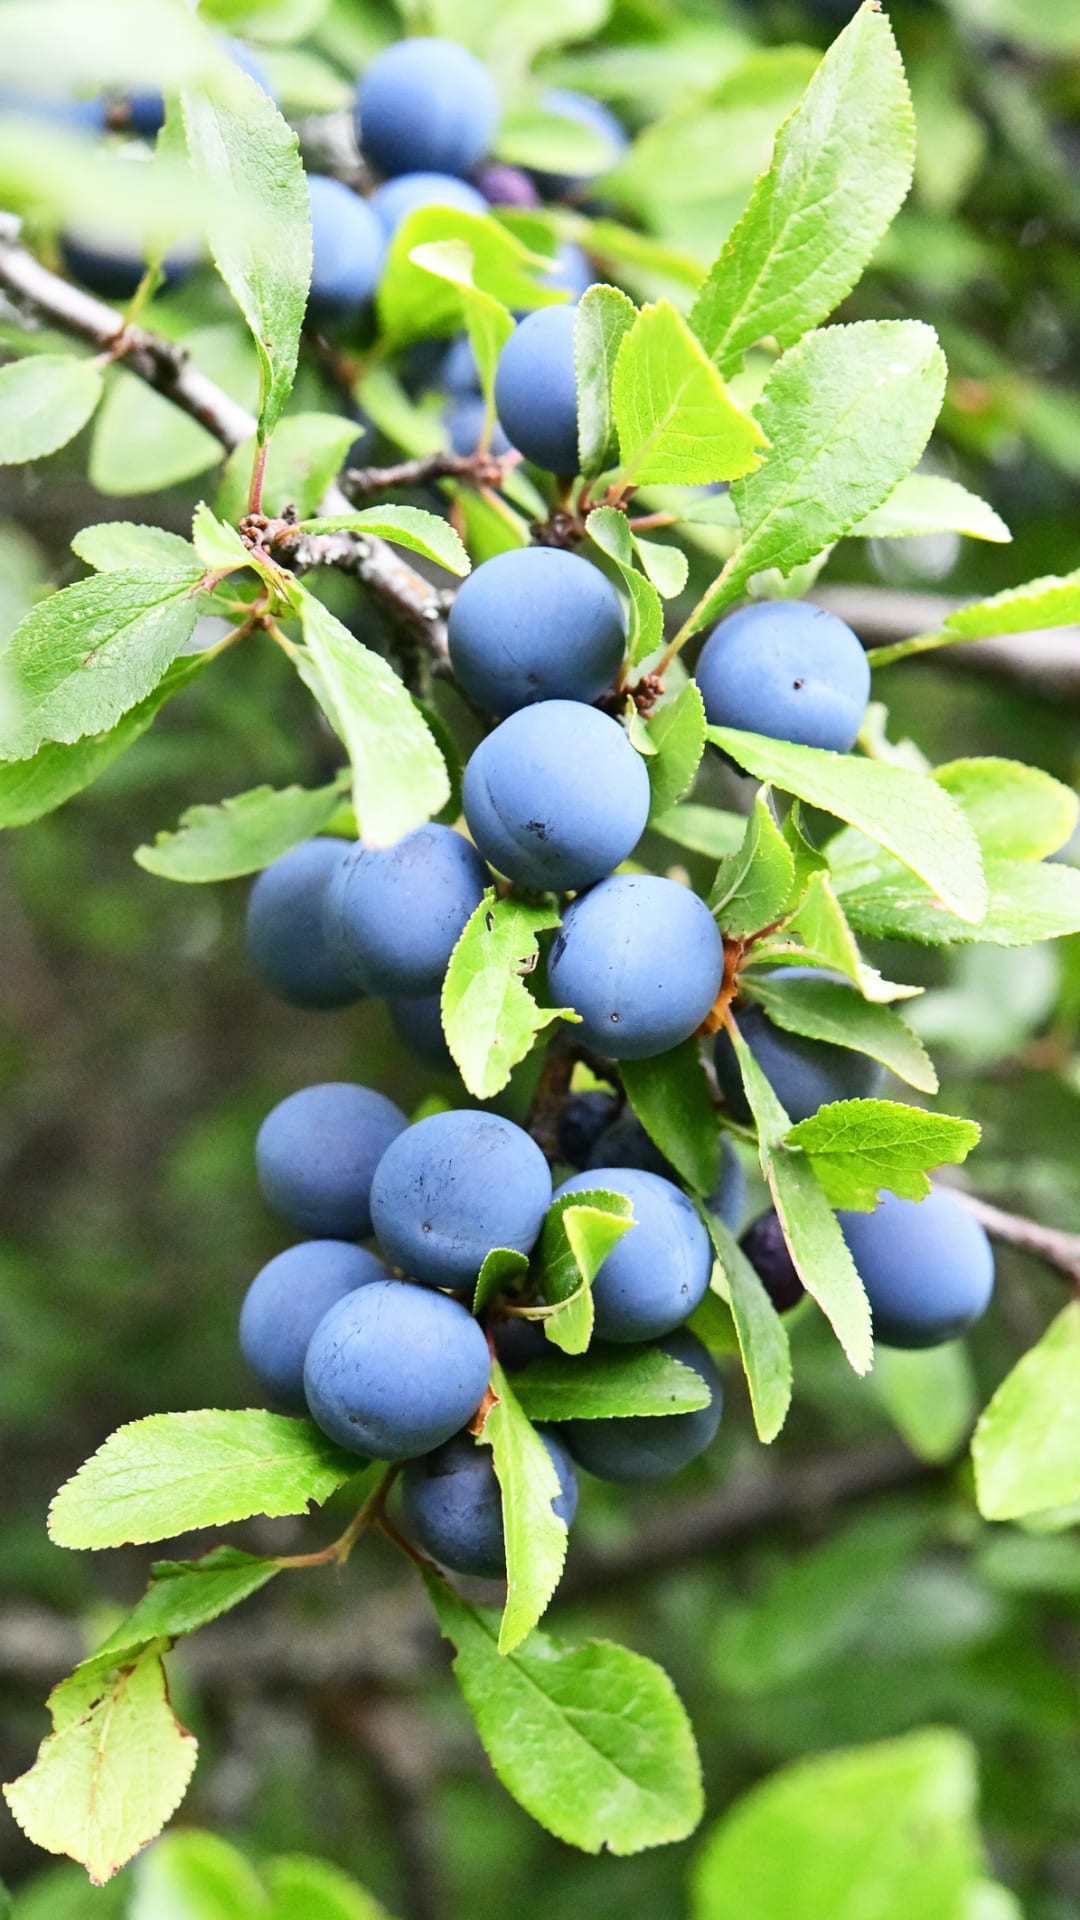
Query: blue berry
[(536, 389), (556, 797), (286, 1301), (426, 103), (641, 960), (348, 245), (316, 1155), (582, 1121), (284, 928), (536, 623), (640, 1449), (452, 1504), (393, 1370), (767, 1251), (452, 1188), (396, 199), (804, 1074), (465, 422), (788, 670), (394, 914), (418, 1024), (625, 1143), (927, 1266), (656, 1275)]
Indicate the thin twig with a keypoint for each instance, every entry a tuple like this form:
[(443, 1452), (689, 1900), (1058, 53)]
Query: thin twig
[(481, 469)]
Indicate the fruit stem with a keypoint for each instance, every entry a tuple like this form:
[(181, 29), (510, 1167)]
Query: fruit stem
[(370, 1514)]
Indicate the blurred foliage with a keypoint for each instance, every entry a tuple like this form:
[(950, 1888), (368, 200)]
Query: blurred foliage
[(137, 1058)]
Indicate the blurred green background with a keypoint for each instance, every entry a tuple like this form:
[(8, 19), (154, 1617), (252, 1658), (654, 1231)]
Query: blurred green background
[(838, 1589)]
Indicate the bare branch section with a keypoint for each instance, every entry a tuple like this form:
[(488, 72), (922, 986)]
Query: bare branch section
[(482, 469), (170, 371)]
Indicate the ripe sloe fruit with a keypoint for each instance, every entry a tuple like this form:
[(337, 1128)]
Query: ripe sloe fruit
[(454, 1186), (766, 1249), (348, 245), (452, 1504), (625, 1143), (316, 1155), (418, 1023), (394, 914), (584, 1117), (641, 1448), (536, 389), (556, 796), (286, 1301), (393, 1370), (536, 623), (927, 1266), (284, 928), (656, 1275), (788, 670), (804, 1074), (426, 103), (641, 960), (396, 199)]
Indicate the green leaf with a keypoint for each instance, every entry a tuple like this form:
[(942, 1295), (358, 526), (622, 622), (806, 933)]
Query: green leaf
[(667, 567), (534, 1534), (591, 1740), (753, 885), (677, 731), (504, 1269), (580, 1229), (414, 304), (824, 1009), (1018, 812), (197, 1876), (217, 544), (847, 412), (246, 159), (44, 401), (610, 1383), (821, 925), (114, 1768), (1053, 601), (184, 1595), (1026, 902), (761, 1333), (399, 776), (242, 835), (857, 1147), (929, 503), (841, 168), (31, 788), (929, 1397), (410, 527), (489, 323), (489, 1016), (551, 142), (604, 317), (172, 1472), (675, 418), (1027, 1444), (113, 546), (306, 1889), (608, 528), (905, 812), (820, 1254), (874, 1833), (704, 830), (671, 1096), (85, 656), (305, 454)]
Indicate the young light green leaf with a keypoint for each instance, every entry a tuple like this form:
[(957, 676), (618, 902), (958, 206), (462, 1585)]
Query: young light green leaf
[(705, 830), (414, 304), (847, 413), (671, 1096), (534, 1534), (675, 418), (31, 788), (305, 453), (667, 567), (114, 1768), (908, 813), (1053, 601), (828, 1010), (604, 317), (609, 529), (307, 1889), (1018, 812), (841, 168), (242, 835), (113, 546), (929, 503), (929, 1396), (827, 941), (579, 1232), (761, 1333), (591, 1740), (503, 1268), (183, 1596), (216, 543), (753, 885), (1027, 1444), (44, 401), (399, 776), (677, 731), (858, 1147), (820, 1254), (246, 160), (488, 322), (886, 1830), (532, 136), (172, 1472), (612, 1383), (85, 656), (410, 527), (197, 1876), (489, 1016)]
